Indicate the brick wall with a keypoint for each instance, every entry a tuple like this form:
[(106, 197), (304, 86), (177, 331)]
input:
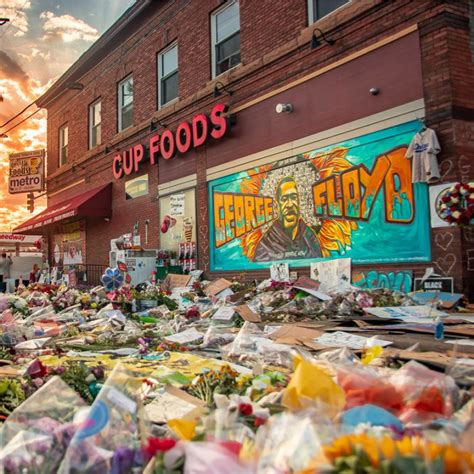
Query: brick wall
[(274, 50)]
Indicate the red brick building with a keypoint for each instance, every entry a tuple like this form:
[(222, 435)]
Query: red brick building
[(352, 79)]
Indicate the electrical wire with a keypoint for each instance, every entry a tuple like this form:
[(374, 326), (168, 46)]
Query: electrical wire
[(19, 123), (18, 114), (12, 19)]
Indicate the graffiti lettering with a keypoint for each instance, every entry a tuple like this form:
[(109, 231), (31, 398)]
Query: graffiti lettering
[(359, 188), (399, 281), (237, 214)]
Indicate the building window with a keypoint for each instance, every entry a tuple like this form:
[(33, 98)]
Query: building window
[(318, 9), (63, 142), (125, 103), (136, 187), (225, 28), (95, 122), (168, 75)]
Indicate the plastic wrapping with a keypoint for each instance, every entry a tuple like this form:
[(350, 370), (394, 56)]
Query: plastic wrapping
[(362, 385), (216, 337), (110, 427), (36, 435), (426, 394)]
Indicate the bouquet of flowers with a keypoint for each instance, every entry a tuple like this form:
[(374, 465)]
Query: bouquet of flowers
[(456, 204)]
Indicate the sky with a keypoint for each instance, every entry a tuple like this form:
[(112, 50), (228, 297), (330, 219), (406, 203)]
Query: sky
[(40, 42)]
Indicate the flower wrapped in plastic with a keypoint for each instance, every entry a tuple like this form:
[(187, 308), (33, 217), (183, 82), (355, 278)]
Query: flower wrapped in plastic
[(112, 279), (36, 435), (111, 426)]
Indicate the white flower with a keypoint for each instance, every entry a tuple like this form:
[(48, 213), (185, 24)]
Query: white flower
[(456, 214), (454, 200), (443, 206)]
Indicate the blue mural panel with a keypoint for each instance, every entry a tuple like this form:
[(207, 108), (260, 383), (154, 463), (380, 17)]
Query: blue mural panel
[(353, 199)]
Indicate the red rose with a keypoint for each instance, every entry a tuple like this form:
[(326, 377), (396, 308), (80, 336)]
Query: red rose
[(246, 409), (445, 199), (259, 421), (159, 445)]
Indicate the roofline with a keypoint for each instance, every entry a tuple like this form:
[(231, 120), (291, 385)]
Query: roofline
[(75, 71)]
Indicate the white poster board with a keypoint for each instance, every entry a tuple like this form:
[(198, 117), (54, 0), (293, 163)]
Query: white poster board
[(177, 205), (333, 275), (280, 272)]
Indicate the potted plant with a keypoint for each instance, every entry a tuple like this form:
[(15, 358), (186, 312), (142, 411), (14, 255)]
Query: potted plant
[(172, 254)]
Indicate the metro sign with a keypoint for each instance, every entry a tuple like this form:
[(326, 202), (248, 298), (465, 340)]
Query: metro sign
[(187, 136)]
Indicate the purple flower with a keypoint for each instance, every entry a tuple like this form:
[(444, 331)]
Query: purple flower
[(123, 461)]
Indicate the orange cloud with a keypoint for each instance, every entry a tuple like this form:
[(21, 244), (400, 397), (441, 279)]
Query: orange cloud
[(18, 90)]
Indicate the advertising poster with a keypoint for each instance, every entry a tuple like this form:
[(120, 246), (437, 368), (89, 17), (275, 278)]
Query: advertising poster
[(354, 199), (26, 172)]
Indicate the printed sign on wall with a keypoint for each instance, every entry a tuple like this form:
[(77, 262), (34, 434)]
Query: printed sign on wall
[(26, 172), (353, 199)]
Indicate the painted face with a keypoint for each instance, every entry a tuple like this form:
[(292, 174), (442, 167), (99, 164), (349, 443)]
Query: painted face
[(289, 204)]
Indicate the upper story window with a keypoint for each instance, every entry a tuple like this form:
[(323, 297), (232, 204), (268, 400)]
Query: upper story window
[(63, 142), (317, 9), (168, 75), (95, 123), (225, 29), (125, 103)]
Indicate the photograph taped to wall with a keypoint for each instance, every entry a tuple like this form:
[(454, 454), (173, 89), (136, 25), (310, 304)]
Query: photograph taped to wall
[(352, 199)]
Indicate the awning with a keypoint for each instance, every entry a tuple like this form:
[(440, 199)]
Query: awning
[(94, 203)]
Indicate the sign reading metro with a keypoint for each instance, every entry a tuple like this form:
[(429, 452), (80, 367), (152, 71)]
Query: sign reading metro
[(187, 136), (26, 172)]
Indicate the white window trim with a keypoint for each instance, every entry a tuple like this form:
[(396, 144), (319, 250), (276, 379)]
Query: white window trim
[(91, 115), (311, 12), (214, 37), (160, 75), (61, 144), (119, 106)]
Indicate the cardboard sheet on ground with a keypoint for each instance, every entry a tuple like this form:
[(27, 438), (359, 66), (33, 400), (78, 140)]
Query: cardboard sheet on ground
[(409, 314), (173, 403), (247, 314), (173, 281), (291, 334), (352, 341), (217, 286)]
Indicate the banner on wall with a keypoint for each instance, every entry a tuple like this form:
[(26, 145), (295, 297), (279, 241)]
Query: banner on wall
[(354, 199), (69, 244)]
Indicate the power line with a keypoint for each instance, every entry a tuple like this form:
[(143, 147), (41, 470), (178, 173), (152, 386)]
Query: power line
[(19, 123), (14, 18), (18, 114)]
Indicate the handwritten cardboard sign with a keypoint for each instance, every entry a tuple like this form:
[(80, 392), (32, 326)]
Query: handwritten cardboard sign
[(334, 275), (224, 313), (177, 205)]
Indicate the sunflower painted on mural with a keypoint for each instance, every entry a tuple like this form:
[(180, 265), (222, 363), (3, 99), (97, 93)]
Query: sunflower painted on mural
[(294, 231)]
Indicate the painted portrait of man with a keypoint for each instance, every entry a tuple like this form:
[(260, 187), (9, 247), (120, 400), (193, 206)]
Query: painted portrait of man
[(289, 236)]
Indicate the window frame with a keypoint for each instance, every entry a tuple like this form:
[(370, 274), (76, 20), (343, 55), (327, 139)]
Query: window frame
[(119, 104), (311, 13), (214, 43), (63, 146), (161, 78), (91, 125), (131, 182)]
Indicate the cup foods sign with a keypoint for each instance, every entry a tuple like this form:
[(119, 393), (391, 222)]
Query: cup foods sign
[(26, 172), (188, 135)]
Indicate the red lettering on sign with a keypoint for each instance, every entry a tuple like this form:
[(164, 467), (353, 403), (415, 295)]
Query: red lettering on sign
[(200, 129), (154, 148), (219, 122), (138, 152), (183, 137), (168, 149)]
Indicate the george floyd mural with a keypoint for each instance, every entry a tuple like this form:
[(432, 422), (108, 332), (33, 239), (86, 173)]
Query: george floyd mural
[(353, 199)]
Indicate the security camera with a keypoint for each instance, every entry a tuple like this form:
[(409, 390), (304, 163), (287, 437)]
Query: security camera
[(284, 108), (374, 90)]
